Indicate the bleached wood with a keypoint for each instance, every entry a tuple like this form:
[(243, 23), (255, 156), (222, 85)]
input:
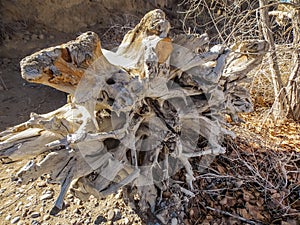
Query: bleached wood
[(135, 117)]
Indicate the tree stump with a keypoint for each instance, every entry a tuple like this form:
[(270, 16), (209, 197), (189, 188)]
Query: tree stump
[(135, 116)]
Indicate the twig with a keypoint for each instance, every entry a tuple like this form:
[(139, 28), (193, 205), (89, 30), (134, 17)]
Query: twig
[(234, 216), (3, 84)]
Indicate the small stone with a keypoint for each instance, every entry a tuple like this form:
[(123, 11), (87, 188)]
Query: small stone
[(77, 201), (167, 194), (15, 220), (35, 222), (30, 198), (174, 221), (21, 223), (99, 220), (25, 213), (46, 217), (70, 196), (223, 201), (110, 214), (35, 215), (18, 207), (46, 196), (28, 205), (34, 36), (41, 36), (126, 220), (118, 195), (67, 204), (118, 215), (8, 217), (192, 213), (42, 184)]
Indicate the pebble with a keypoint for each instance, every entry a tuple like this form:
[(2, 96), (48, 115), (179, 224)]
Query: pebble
[(41, 36), (15, 220), (25, 212), (126, 220), (35, 222), (174, 221), (46, 196), (67, 204), (110, 214), (42, 184), (118, 215), (99, 220), (8, 217), (77, 201), (35, 215), (118, 195), (28, 205), (34, 36), (18, 207), (30, 198), (46, 217)]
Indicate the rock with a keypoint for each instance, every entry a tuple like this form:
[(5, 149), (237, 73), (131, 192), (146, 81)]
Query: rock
[(77, 201), (117, 216), (28, 205), (192, 213), (41, 36), (18, 207), (167, 194), (34, 36), (46, 196), (110, 214), (126, 220), (46, 217), (8, 217), (42, 184), (174, 221), (35, 215), (100, 219), (35, 222), (223, 201), (25, 212), (118, 195), (67, 204), (15, 220)]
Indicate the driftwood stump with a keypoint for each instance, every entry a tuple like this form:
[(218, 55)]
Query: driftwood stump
[(135, 116)]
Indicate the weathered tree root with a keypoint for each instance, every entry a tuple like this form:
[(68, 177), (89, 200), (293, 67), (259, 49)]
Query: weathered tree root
[(135, 116)]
